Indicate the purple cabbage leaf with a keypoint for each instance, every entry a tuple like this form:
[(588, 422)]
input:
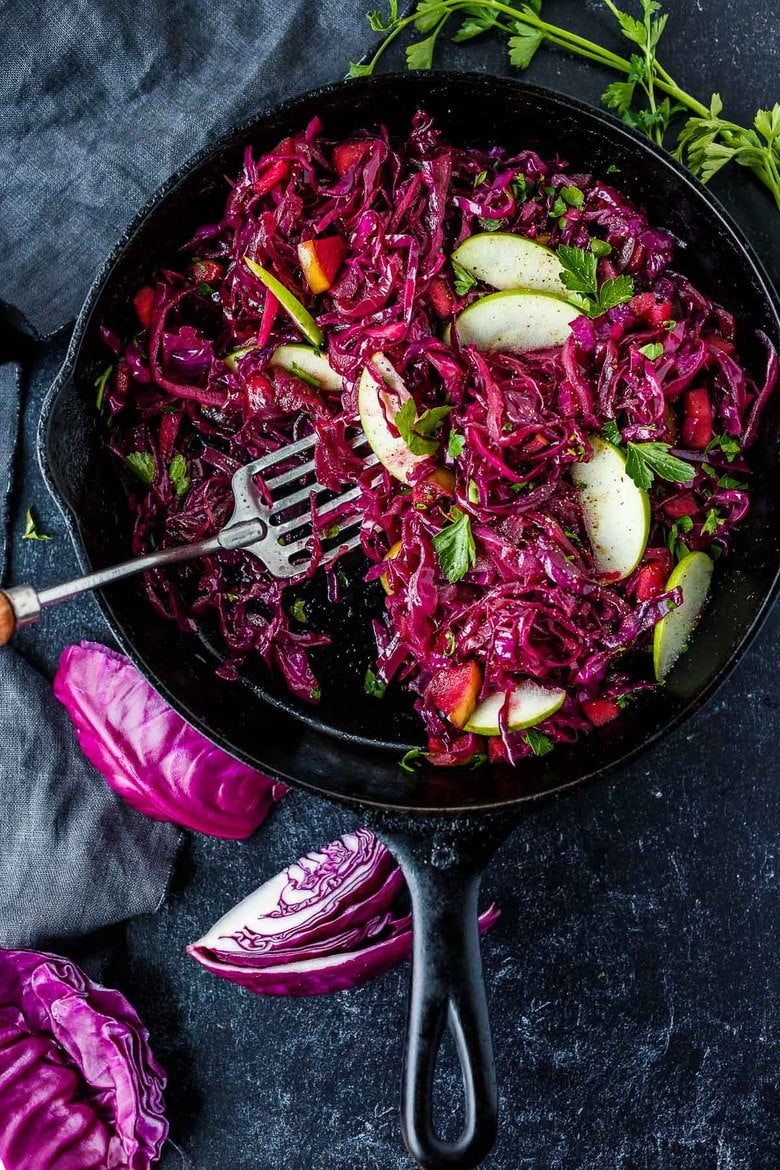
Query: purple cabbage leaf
[(150, 756)]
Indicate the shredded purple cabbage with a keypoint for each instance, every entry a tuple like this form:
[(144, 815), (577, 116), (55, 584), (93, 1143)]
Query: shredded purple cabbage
[(533, 606)]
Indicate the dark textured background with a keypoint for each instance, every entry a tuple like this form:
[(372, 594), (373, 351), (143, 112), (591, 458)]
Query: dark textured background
[(632, 978)]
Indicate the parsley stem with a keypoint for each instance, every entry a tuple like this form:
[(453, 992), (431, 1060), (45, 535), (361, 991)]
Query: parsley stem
[(403, 23), (740, 143), (561, 36), (594, 52), (673, 90)]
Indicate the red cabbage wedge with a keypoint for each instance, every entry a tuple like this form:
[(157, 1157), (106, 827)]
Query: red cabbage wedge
[(327, 923)]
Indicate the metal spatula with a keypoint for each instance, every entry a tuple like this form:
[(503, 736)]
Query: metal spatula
[(279, 535)]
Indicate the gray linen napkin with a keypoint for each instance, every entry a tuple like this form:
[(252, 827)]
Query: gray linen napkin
[(101, 102), (98, 104), (73, 856)]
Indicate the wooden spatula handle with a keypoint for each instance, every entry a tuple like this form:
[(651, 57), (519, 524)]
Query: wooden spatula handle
[(19, 606), (7, 619)]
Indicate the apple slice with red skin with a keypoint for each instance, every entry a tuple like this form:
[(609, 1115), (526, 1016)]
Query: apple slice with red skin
[(320, 260), (455, 690)]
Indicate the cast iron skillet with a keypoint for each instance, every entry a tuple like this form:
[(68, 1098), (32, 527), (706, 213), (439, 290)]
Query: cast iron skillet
[(443, 824)]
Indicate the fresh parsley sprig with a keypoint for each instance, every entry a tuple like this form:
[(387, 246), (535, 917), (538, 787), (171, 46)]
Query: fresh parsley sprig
[(413, 759), (455, 444), (464, 281), (712, 521), (645, 97), (726, 444), (539, 743), (31, 528), (373, 685), (141, 463), (579, 275), (100, 385), (419, 434), (676, 545), (180, 480), (645, 461), (455, 547)]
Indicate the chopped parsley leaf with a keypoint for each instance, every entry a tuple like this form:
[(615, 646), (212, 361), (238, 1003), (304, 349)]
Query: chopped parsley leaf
[(455, 547)]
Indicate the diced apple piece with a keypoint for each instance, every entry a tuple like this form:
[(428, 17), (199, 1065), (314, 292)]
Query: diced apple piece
[(650, 580), (143, 303), (289, 302), (515, 322), (508, 261), (346, 154), (672, 633), (381, 394), (601, 711), (440, 484), (302, 359), (697, 421), (440, 297), (454, 691), (320, 260), (529, 704), (616, 511), (392, 552)]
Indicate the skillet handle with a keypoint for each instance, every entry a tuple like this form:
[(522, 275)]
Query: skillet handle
[(447, 990)]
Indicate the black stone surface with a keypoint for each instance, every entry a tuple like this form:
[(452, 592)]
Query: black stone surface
[(632, 978)]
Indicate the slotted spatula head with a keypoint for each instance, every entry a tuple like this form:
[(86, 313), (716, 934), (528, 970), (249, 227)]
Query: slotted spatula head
[(288, 477)]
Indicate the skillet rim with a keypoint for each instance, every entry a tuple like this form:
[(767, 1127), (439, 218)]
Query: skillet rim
[(613, 128)]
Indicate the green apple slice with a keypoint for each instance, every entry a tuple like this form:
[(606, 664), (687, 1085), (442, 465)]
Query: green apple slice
[(381, 394), (616, 511), (232, 359), (672, 633), (289, 302), (307, 363), (515, 321), (528, 704), (508, 261)]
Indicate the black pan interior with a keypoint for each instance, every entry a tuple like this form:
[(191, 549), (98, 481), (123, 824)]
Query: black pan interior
[(349, 745)]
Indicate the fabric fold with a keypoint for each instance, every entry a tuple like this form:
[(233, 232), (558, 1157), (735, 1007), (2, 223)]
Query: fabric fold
[(73, 856), (114, 99)]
